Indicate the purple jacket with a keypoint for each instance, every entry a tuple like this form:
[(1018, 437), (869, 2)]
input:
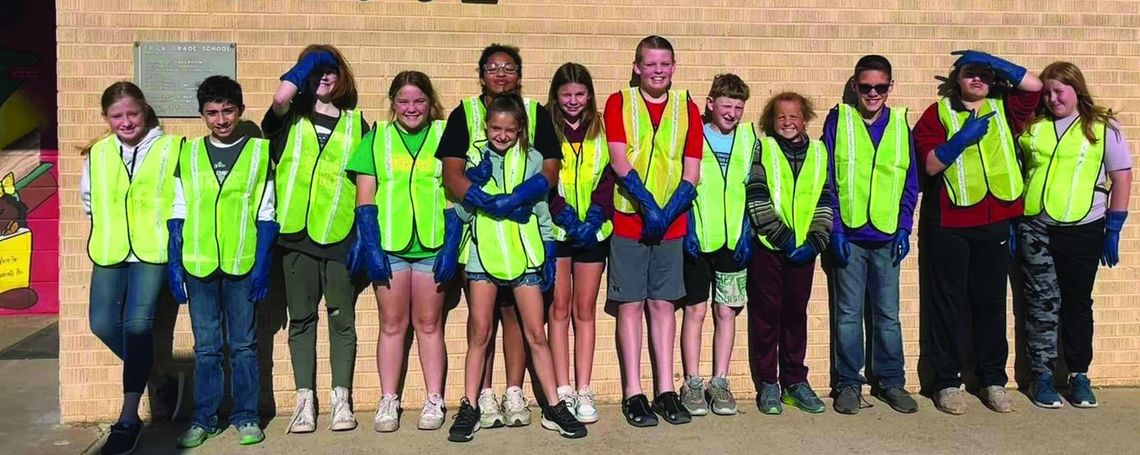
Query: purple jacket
[(868, 233)]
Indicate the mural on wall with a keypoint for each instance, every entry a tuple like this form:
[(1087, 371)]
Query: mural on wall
[(29, 201)]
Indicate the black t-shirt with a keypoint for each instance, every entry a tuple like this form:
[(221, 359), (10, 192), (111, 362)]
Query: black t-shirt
[(222, 158), (277, 130), (456, 140)]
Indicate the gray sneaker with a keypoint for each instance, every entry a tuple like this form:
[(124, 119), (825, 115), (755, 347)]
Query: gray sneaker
[(720, 397), (768, 399), (849, 399), (898, 399), (950, 401), (693, 396), (998, 399)]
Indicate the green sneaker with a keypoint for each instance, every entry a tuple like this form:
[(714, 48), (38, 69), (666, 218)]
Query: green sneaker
[(250, 434), (802, 396), (196, 436), (769, 399)]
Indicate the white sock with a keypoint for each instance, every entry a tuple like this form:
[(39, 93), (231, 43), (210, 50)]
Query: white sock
[(565, 390)]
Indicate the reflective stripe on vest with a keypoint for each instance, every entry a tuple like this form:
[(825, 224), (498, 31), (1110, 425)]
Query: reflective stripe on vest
[(408, 188), (990, 166), (221, 219), (476, 114), (313, 192), (869, 180), (507, 249), (581, 171), (129, 213), (655, 153), (794, 198), (719, 206), (1061, 174)]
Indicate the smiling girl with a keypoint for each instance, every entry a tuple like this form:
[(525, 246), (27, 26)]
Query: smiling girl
[(127, 189), (787, 202)]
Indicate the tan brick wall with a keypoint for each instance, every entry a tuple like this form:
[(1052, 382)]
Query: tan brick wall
[(775, 45)]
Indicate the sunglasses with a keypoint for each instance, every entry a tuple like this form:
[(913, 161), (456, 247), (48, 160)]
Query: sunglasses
[(878, 88), (505, 68), (983, 75)]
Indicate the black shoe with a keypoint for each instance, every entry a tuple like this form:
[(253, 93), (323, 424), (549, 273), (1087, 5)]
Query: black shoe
[(898, 399), (466, 423), (669, 405), (560, 419), (123, 438), (637, 412), (848, 399)]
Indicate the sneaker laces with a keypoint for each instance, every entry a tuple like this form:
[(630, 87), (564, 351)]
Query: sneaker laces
[(299, 415), (487, 400), (586, 398), (694, 388), (854, 389), (514, 402), (718, 390), (387, 406), (341, 411), (433, 407), (467, 415)]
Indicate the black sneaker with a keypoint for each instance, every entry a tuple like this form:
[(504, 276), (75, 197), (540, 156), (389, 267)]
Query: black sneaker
[(669, 405), (123, 438), (898, 399), (466, 423), (560, 419), (637, 412), (848, 399)]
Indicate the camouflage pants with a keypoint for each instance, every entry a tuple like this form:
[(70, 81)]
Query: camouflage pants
[(1058, 266)]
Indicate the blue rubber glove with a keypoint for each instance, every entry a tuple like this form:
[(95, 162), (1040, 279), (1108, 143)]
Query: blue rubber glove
[(548, 266), (175, 273), (1013, 239), (567, 219), (480, 174), (586, 235), (744, 244), (692, 242), (366, 252), (680, 202), (972, 131), (259, 276), (841, 248), (299, 74), (1002, 68), (527, 193), (901, 247), (476, 198), (802, 255), (521, 214), (651, 214), (447, 261), (1113, 224)]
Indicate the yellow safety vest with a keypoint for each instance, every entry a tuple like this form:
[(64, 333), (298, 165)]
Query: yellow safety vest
[(129, 213), (1061, 173), (221, 219), (313, 192), (581, 171), (409, 188), (990, 166), (507, 249), (794, 197), (476, 114), (655, 153), (719, 206), (870, 180)]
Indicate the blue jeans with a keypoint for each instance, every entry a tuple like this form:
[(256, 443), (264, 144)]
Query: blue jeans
[(869, 274), (214, 301), (121, 314)]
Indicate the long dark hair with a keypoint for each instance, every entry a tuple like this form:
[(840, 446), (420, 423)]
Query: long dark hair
[(343, 95), (573, 73), (649, 42)]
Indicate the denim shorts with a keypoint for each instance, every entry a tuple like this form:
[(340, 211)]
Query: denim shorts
[(423, 265), (527, 279)]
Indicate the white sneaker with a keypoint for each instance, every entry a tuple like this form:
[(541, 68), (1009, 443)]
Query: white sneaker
[(342, 417), (304, 418), (387, 417), (566, 393), (516, 408), (431, 418), (586, 411), (490, 414)]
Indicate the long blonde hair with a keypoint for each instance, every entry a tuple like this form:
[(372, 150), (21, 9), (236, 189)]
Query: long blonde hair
[(1068, 74)]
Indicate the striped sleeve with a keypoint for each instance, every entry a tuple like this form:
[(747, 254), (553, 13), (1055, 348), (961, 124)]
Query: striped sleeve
[(819, 233), (759, 204)]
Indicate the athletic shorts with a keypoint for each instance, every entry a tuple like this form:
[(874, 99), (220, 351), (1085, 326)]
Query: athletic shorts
[(593, 254), (716, 270), (638, 271)]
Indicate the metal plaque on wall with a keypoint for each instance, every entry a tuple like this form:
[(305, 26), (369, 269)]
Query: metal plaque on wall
[(169, 72)]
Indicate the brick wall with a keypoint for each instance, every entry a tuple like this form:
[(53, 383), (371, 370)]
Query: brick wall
[(775, 45)]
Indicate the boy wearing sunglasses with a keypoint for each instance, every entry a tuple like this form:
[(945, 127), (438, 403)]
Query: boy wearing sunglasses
[(876, 187)]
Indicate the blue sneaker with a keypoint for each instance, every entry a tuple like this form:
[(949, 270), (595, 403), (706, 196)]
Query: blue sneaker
[(802, 396), (1042, 393), (768, 400), (1080, 392)]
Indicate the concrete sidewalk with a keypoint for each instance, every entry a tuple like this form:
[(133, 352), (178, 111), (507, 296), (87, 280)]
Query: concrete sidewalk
[(1113, 428)]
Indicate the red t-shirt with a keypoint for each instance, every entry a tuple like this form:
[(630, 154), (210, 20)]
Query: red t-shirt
[(929, 134), (629, 225)]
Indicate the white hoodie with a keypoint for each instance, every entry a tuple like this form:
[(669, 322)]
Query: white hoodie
[(131, 157)]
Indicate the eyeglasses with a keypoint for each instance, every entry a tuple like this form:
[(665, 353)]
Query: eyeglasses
[(878, 88), (505, 68)]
